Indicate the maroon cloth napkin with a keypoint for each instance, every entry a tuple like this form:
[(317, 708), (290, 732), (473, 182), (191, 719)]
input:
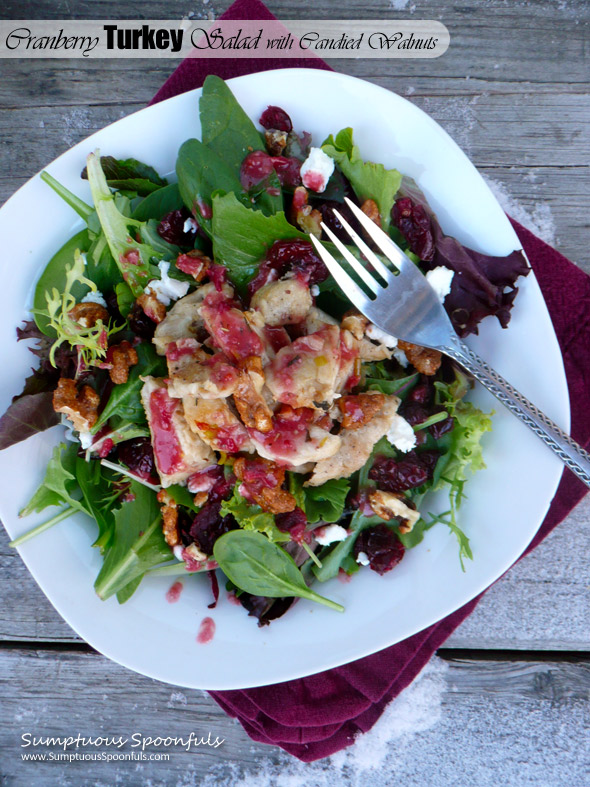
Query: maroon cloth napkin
[(316, 716)]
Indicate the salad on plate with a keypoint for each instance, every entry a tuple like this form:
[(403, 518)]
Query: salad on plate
[(225, 406)]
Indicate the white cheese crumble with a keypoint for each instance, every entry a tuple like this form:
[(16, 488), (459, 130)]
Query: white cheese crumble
[(377, 335), (440, 280), (362, 559), (94, 297), (315, 290), (86, 440), (316, 170), (401, 357), (401, 435), (178, 550), (167, 289), (330, 534), (190, 225)]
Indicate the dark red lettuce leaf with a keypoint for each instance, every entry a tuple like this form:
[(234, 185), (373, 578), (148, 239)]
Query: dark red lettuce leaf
[(32, 411), (26, 416), (483, 284)]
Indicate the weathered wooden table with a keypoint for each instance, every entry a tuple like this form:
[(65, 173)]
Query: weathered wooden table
[(506, 700)]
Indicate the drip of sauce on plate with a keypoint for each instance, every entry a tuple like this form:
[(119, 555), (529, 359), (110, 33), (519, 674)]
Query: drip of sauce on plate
[(173, 593), (233, 599), (206, 631), (344, 577)]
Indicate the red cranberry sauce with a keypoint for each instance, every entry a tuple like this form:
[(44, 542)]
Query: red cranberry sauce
[(290, 428), (229, 328), (206, 631)]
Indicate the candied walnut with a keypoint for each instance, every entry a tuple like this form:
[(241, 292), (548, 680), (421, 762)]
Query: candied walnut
[(88, 314), (194, 553), (248, 399), (423, 359), (200, 499), (356, 323), (370, 209), (275, 140), (388, 505), (169, 518), (153, 308), (195, 263), (122, 357), (303, 215), (262, 482), (81, 407), (360, 409)]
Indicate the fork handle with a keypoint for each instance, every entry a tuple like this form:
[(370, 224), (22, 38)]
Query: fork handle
[(570, 453)]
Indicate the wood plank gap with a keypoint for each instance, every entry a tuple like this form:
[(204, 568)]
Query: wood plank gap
[(472, 654)]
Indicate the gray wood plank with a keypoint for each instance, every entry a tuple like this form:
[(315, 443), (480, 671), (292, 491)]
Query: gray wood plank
[(542, 603), (462, 723)]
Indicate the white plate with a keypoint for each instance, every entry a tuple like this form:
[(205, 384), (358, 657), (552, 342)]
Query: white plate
[(506, 503)]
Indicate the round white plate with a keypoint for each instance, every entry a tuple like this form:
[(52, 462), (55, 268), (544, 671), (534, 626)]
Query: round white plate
[(506, 503)]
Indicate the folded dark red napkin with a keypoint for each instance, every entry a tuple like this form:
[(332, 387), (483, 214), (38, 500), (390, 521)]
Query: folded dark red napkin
[(316, 716)]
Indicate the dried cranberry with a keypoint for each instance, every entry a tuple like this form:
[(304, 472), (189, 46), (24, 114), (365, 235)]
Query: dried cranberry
[(288, 170), (429, 459), (414, 413), (422, 393), (442, 427), (140, 323), (171, 228), (275, 117), (138, 456), (382, 546), (208, 525), (414, 224), (255, 168), (294, 523), (409, 472), (284, 256)]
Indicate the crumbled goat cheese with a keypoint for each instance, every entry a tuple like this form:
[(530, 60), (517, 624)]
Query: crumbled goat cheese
[(377, 335), (330, 534), (86, 440), (315, 290), (316, 170), (178, 550), (440, 280), (401, 435), (94, 297), (362, 559), (190, 225), (401, 357), (167, 289)]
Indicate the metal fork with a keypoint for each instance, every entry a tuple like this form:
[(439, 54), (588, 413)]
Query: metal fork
[(407, 307)]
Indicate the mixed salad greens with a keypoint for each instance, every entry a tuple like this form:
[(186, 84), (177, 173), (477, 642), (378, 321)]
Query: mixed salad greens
[(225, 406)]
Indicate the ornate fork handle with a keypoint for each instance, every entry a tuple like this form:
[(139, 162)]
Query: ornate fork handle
[(572, 454)]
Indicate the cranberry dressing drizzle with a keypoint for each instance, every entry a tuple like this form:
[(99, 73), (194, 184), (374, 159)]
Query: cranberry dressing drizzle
[(167, 449), (173, 592), (206, 631)]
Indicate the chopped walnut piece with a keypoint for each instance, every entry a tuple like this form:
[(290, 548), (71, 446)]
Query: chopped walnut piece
[(88, 314), (248, 399), (303, 215), (152, 307), (354, 322), (122, 357), (360, 409), (370, 209), (388, 505), (200, 499), (81, 407), (263, 481), (275, 140), (193, 551), (423, 359), (169, 518)]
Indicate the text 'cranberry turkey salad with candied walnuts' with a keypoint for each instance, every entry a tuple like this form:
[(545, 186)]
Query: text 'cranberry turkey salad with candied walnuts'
[(226, 407)]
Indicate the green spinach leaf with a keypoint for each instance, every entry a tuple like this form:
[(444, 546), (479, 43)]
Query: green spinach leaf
[(129, 174), (256, 565), (158, 204)]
